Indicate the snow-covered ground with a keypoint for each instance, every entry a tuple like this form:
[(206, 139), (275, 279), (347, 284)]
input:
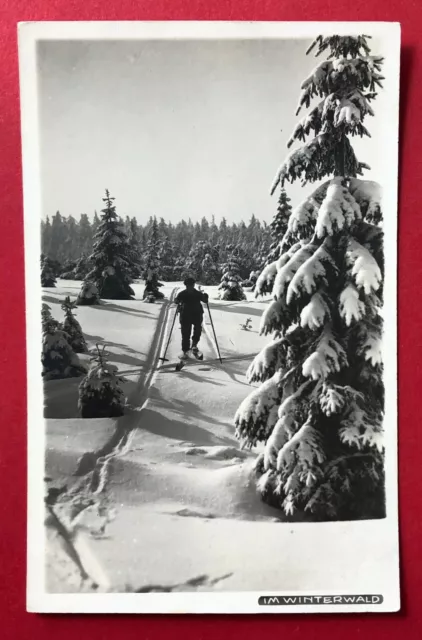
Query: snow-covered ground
[(183, 491)]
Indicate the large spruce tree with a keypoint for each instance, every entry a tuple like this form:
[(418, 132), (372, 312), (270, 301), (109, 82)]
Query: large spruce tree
[(111, 268), (319, 409)]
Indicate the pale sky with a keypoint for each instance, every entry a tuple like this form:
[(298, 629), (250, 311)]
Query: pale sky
[(172, 128)]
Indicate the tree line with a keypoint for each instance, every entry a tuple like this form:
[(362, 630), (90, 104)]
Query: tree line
[(67, 241)]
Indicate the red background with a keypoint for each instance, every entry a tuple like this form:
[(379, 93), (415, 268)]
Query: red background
[(14, 621)]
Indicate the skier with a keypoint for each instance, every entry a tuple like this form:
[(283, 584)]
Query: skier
[(191, 314)]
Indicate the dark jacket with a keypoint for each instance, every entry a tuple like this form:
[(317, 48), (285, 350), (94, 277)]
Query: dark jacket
[(189, 301)]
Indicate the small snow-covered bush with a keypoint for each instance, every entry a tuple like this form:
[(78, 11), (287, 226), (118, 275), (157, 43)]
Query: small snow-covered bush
[(152, 289), (88, 294), (57, 357), (231, 282), (100, 394), (72, 327)]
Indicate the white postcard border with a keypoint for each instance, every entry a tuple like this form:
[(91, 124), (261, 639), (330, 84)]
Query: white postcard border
[(385, 531)]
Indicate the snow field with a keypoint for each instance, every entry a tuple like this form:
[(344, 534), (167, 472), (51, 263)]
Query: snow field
[(184, 495), (183, 455)]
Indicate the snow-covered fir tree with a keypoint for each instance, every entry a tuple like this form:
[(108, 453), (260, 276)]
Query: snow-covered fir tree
[(231, 281), (167, 259), (111, 269), (88, 295), (320, 407), (57, 357), (278, 228), (152, 264), (72, 327), (280, 221), (47, 318), (48, 277), (100, 393)]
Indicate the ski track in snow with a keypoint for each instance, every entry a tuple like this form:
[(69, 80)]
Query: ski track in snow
[(218, 460), (121, 438), (79, 551)]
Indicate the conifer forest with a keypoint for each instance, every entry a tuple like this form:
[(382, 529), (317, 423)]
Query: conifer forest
[(181, 247)]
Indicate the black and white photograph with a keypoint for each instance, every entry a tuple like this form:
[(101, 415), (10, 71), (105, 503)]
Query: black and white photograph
[(210, 254)]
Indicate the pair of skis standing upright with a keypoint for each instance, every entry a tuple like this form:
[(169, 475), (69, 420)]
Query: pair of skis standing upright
[(191, 312)]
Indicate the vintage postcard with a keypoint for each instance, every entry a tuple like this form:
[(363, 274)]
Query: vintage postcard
[(210, 246)]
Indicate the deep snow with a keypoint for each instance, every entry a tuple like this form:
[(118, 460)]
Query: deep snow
[(182, 490)]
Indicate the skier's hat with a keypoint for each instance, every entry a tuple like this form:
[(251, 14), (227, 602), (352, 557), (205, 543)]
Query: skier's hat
[(189, 281)]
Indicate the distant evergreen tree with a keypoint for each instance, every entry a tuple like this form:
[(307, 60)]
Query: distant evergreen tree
[(162, 228), (231, 281), (95, 223), (72, 327), (281, 242), (193, 265), (48, 279), (152, 264), (100, 393), (135, 248), (166, 258), (210, 272), (70, 238), (205, 229), (46, 236), (84, 235), (279, 224), (111, 270), (58, 234)]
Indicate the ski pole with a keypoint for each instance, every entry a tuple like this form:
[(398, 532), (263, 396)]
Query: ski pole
[(171, 331), (215, 337)]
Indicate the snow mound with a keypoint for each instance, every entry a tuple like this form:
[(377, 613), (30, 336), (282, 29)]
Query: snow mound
[(218, 453)]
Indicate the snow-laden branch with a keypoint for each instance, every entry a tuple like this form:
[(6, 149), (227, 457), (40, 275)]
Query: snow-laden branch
[(328, 357), (365, 270)]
